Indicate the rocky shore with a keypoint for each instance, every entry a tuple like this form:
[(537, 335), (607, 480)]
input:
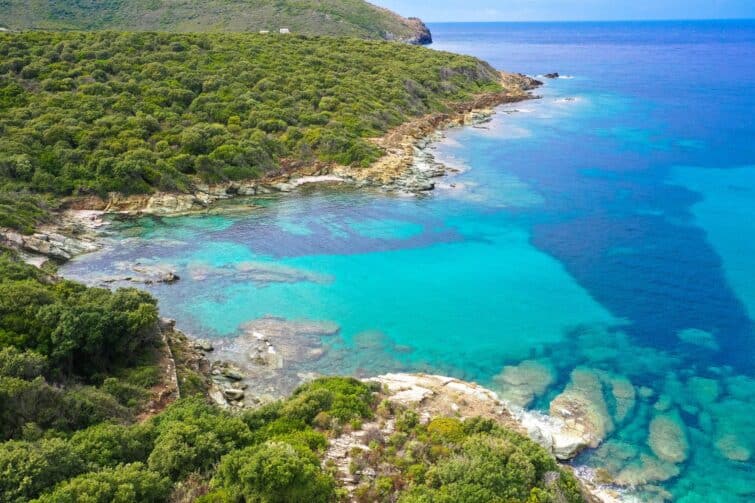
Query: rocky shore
[(270, 357), (263, 364), (397, 170), (74, 233), (234, 385), (405, 167)]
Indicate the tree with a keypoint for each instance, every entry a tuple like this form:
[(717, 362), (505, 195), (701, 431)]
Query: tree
[(196, 443)]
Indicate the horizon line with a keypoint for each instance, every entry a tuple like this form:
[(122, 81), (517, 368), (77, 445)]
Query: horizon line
[(554, 21)]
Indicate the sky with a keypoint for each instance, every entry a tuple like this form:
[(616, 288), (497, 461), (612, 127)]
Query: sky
[(569, 10)]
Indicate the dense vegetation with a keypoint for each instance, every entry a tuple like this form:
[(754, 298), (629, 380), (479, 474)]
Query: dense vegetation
[(70, 356), (24, 211), (309, 17), (85, 113)]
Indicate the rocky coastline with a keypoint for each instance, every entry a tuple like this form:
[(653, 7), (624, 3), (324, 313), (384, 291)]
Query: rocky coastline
[(272, 356), (392, 172), (405, 167), (266, 356)]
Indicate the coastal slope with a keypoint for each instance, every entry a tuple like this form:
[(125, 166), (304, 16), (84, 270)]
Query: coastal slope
[(355, 18)]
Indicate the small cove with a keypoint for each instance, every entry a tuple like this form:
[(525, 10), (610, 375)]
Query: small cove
[(572, 239)]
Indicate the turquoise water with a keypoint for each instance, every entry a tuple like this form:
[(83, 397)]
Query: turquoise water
[(607, 227)]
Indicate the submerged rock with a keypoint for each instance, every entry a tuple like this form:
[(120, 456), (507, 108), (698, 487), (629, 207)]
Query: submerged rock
[(521, 384), (733, 423), (624, 396), (147, 273), (732, 448), (668, 438), (703, 391), (614, 455), (645, 470), (699, 338)]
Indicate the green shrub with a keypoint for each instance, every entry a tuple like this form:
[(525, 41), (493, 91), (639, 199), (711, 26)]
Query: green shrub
[(343, 398), (108, 445), (126, 394), (500, 466), (275, 472), (446, 429), (79, 330), (29, 468), (124, 484), (193, 436), (21, 364)]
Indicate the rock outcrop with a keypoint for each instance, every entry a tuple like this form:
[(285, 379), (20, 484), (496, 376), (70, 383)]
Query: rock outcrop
[(446, 396), (51, 245), (583, 410)]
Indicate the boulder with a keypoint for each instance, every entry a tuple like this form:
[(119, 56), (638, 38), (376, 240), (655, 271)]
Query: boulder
[(233, 374), (217, 396), (582, 408), (203, 345), (553, 75), (168, 277), (552, 434), (234, 394)]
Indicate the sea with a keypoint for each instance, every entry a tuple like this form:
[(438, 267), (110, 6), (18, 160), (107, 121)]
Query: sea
[(599, 240)]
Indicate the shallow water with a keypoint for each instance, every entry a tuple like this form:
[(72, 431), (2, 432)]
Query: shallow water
[(607, 227)]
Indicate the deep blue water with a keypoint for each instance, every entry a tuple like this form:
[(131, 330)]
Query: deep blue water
[(609, 226)]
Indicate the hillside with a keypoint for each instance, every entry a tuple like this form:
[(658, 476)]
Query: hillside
[(355, 18), (97, 112)]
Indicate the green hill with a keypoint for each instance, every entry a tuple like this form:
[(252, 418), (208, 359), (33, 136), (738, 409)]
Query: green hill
[(309, 17)]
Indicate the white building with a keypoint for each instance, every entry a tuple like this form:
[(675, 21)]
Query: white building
[(285, 31)]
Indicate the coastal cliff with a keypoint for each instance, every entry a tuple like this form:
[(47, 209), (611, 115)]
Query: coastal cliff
[(421, 35)]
